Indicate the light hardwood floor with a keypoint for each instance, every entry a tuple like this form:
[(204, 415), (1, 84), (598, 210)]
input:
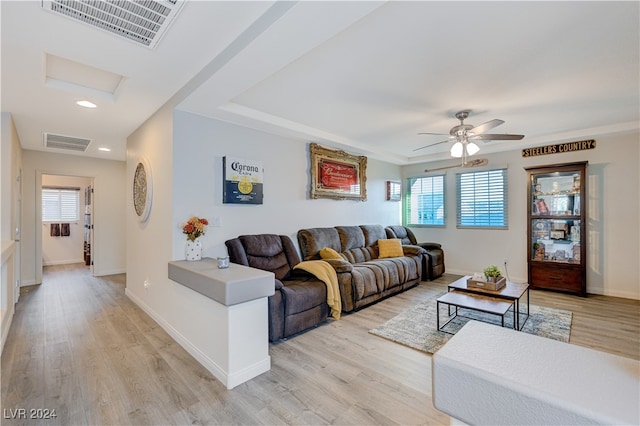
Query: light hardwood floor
[(80, 347)]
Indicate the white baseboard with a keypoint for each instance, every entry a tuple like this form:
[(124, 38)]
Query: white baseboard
[(590, 290), (103, 273), (62, 262), (248, 373), (614, 293)]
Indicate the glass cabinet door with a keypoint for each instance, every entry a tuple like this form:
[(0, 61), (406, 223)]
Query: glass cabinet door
[(555, 240), (555, 216), (556, 194)]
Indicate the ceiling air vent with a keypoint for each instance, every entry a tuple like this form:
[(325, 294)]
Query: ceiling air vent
[(66, 142), (142, 21)]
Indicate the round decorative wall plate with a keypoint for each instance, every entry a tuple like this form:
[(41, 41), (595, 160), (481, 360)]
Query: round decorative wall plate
[(142, 190)]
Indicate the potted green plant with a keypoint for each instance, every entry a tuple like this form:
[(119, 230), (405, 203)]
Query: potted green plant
[(492, 273)]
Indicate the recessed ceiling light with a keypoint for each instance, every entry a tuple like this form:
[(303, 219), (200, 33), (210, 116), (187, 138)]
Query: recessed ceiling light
[(86, 104), (104, 149)]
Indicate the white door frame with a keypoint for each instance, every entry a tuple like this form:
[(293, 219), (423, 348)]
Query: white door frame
[(38, 248)]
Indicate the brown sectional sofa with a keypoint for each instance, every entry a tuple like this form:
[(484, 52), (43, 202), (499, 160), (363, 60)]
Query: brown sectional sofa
[(363, 277), (300, 299)]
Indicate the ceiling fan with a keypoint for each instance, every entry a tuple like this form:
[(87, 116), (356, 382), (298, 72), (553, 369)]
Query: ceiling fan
[(464, 136)]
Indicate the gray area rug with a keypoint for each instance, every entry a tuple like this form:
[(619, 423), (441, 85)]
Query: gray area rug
[(416, 327)]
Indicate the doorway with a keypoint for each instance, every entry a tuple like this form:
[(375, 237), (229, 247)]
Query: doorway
[(65, 221)]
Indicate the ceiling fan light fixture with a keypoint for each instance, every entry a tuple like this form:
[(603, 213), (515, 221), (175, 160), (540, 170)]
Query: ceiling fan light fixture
[(456, 150), (472, 148), (463, 133)]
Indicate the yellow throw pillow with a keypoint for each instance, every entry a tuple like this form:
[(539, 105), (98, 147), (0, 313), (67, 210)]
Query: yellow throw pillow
[(329, 253), (390, 248)]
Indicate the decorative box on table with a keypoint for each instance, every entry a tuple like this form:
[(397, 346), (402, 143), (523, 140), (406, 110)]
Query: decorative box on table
[(488, 285)]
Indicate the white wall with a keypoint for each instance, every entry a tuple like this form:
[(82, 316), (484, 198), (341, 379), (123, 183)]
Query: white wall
[(109, 205), (10, 194), (613, 247), (149, 244), (10, 166), (199, 147), (63, 250)]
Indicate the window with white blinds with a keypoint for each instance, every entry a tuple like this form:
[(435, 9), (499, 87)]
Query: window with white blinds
[(60, 204), (424, 201), (482, 199)]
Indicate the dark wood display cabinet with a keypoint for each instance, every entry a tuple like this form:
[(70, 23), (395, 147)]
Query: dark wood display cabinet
[(556, 227)]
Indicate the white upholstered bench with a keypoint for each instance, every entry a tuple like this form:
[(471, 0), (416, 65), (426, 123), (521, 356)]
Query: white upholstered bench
[(492, 375)]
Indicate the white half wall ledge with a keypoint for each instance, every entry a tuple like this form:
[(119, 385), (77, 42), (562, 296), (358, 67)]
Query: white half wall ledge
[(487, 374), (234, 346), (228, 286)]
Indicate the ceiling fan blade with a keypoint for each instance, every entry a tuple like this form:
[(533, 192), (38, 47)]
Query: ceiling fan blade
[(433, 144), (498, 137), (429, 133), (476, 163), (441, 168), (473, 163), (481, 128)]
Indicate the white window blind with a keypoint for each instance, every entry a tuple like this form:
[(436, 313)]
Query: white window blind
[(482, 199), (424, 202), (60, 204)]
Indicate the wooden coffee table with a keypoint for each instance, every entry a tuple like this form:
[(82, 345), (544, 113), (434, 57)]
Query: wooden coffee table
[(512, 292)]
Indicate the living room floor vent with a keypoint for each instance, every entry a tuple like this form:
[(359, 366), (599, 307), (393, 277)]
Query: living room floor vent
[(65, 142), (143, 22)]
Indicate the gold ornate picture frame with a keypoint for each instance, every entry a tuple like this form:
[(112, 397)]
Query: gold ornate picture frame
[(338, 175)]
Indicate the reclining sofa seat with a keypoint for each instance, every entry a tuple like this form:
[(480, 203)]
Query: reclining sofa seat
[(433, 265), (363, 278), (300, 299)]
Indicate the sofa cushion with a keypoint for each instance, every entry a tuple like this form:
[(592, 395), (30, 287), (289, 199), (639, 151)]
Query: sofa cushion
[(379, 275), (353, 246), (329, 253), (369, 278), (303, 294), (373, 233), (313, 240), (390, 248), (399, 231), (265, 251)]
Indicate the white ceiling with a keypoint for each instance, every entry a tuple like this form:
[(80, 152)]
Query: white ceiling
[(362, 76)]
